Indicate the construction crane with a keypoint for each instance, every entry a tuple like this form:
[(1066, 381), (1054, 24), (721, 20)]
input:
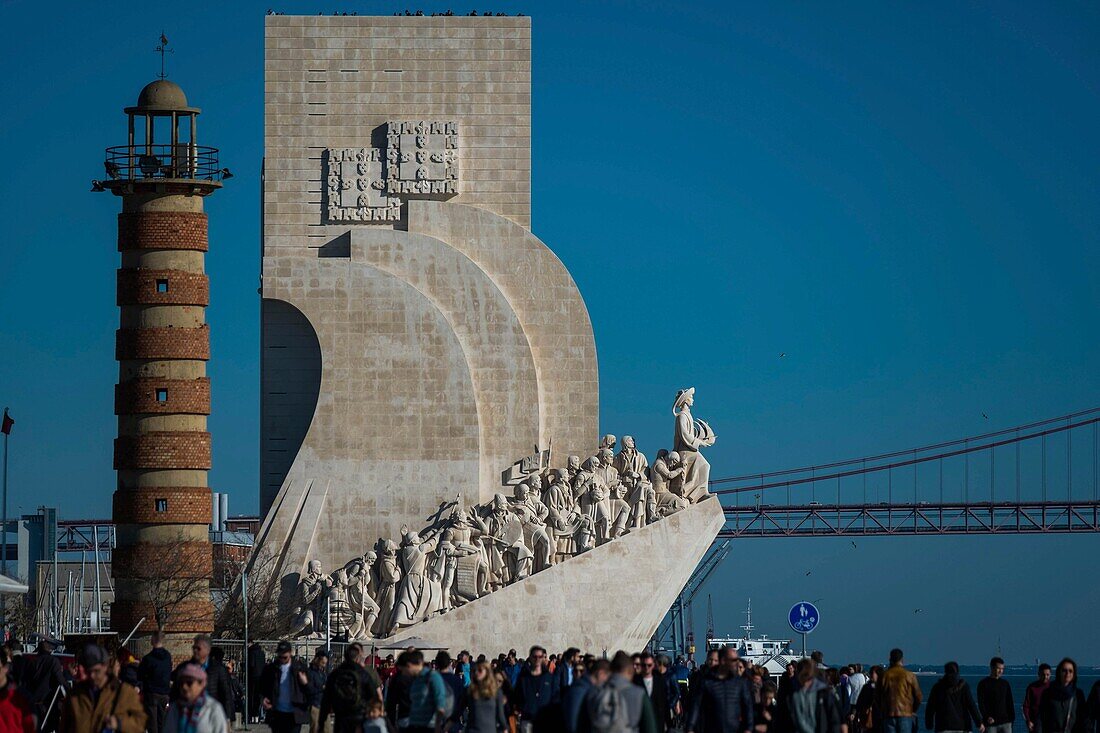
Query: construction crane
[(710, 622), (677, 621)]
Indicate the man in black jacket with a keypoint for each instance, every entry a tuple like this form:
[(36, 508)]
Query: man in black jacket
[(656, 687), (995, 699), (721, 702), (155, 676), (284, 691), (39, 678), (218, 684), (255, 664)]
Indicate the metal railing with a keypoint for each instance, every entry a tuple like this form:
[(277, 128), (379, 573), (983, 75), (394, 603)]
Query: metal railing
[(181, 161)]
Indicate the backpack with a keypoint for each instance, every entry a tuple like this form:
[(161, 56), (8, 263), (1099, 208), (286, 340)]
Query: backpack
[(607, 711), (347, 694)]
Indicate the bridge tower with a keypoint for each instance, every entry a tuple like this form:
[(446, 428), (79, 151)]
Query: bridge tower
[(162, 502)]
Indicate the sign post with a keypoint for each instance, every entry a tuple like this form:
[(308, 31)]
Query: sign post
[(803, 618)]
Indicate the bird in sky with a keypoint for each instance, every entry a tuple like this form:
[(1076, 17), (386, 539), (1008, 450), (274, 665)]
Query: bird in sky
[(985, 416), (917, 610), (808, 572), (783, 355), (853, 543)]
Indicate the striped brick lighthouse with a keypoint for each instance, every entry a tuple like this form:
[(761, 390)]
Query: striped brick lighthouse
[(162, 503)]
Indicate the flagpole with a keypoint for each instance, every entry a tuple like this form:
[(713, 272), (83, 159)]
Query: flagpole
[(4, 520)]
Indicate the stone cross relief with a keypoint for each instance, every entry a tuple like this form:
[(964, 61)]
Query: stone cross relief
[(367, 185), (552, 515)]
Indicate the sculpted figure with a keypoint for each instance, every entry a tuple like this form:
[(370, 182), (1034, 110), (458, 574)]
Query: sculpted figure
[(339, 609), (450, 550), (492, 527), (690, 436), (465, 536), (629, 458), (418, 592), (572, 467), (640, 497), (667, 473), (389, 574), (594, 501), (561, 519), (605, 470), (608, 442), (533, 513), (363, 606), (311, 592)]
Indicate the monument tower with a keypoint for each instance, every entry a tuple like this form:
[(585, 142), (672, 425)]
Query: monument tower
[(162, 501)]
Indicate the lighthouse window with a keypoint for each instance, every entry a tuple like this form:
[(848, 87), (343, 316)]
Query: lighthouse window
[(162, 394), (162, 286), (162, 505)]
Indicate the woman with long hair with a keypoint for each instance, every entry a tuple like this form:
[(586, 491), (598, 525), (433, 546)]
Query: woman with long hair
[(485, 702), (864, 718), (1062, 706)]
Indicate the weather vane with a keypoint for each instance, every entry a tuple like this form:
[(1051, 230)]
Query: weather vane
[(163, 49)]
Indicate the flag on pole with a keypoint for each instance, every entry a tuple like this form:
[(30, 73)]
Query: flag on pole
[(5, 426)]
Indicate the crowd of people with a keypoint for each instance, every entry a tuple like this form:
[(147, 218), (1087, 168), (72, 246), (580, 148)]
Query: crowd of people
[(569, 692)]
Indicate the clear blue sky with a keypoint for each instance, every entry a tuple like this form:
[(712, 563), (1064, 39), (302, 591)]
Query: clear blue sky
[(903, 198)]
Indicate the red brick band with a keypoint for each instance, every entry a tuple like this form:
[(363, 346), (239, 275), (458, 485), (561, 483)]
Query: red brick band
[(152, 396), (182, 560), (162, 230), (162, 505), (163, 343), (185, 617), (162, 287), (170, 449)]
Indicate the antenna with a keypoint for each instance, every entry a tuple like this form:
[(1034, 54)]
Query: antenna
[(163, 49), (748, 627)]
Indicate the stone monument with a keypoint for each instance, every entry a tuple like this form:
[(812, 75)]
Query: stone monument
[(418, 341)]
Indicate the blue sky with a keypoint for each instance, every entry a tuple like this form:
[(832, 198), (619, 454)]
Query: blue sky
[(900, 197)]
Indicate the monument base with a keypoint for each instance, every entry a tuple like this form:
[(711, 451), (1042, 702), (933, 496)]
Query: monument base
[(611, 597)]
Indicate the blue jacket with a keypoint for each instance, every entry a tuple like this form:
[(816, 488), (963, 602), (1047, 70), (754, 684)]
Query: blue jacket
[(534, 692), (428, 694), (572, 702)]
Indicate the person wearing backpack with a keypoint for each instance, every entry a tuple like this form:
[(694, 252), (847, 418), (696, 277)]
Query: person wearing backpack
[(432, 702), (348, 693), (618, 705)]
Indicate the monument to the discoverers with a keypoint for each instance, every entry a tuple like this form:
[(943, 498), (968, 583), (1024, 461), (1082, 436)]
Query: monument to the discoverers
[(430, 457)]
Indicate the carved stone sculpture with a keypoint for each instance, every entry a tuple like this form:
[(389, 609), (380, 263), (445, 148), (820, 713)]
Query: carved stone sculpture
[(629, 458), (690, 436), (311, 592)]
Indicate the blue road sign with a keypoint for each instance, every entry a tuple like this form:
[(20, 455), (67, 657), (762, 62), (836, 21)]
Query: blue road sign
[(804, 617)]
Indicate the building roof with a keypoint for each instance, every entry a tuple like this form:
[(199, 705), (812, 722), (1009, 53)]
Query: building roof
[(162, 96)]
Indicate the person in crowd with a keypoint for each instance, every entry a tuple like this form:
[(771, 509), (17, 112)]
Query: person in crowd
[(1062, 708), (856, 680), (566, 669), (899, 696), (509, 696), (995, 699), (100, 702), (430, 705), (681, 672), (863, 714), (398, 687), (39, 678), (656, 688), (155, 677), (511, 667), (812, 706), (672, 686), (950, 705), (217, 676), (722, 702), (484, 707), (786, 681), (445, 666), (348, 693), (695, 681), (573, 698), (237, 687), (16, 712), (536, 690), (194, 710), (284, 690), (764, 712), (126, 667), (255, 662), (1092, 709), (618, 704), (318, 676), (464, 667), (1034, 693), (376, 719)]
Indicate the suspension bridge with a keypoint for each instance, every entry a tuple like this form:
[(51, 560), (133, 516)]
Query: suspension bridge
[(1038, 478)]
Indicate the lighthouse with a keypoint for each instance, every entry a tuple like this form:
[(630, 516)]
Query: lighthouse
[(162, 454)]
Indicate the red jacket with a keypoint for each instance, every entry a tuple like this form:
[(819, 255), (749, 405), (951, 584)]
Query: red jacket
[(1031, 700), (16, 715)]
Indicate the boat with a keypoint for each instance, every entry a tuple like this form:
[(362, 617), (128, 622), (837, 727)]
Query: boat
[(771, 654)]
